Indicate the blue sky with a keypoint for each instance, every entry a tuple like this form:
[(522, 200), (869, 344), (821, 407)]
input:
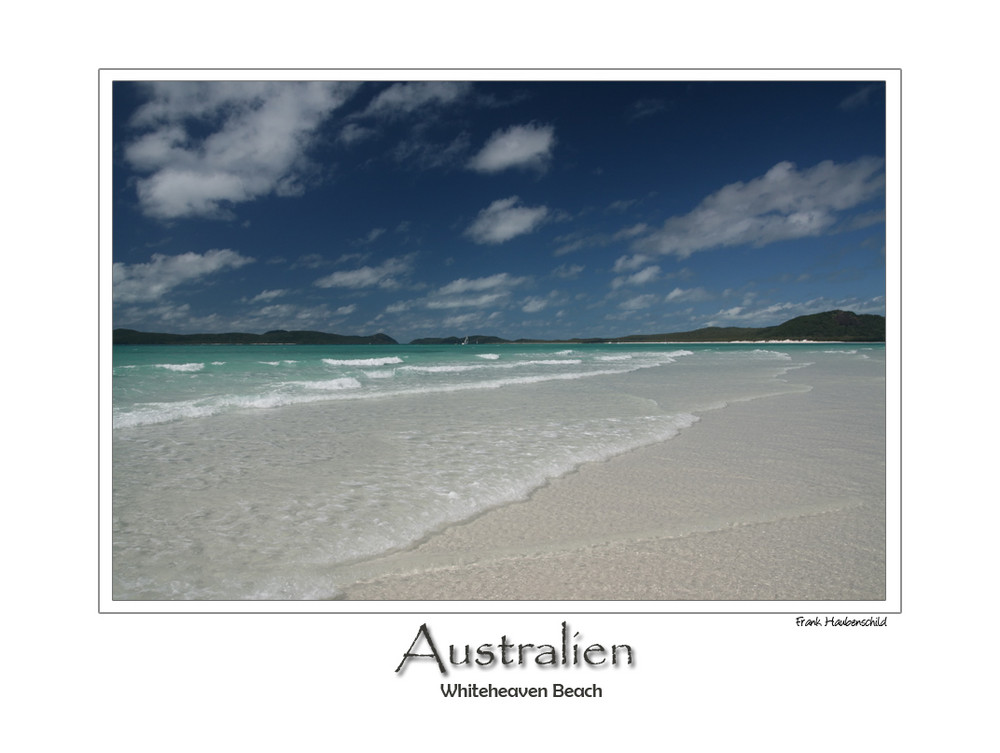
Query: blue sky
[(519, 209)]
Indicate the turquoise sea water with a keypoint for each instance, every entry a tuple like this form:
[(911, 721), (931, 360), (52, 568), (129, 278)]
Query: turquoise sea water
[(259, 472)]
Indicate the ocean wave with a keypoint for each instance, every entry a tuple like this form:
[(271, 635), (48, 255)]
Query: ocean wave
[(771, 354), (362, 361), (451, 369), (378, 382), (159, 413), (552, 362), (180, 366), (345, 383)]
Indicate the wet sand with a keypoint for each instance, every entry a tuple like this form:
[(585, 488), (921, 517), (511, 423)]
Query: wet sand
[(778, 498)]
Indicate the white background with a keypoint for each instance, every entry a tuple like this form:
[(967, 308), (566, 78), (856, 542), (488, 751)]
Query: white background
[(76, 677)]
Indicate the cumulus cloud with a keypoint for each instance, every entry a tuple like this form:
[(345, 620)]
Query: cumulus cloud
[(679, 295), (639, 278), (783, 204), (639, 302), (404, 98), (385, 275), (523, 146), (206, 146), (505, 219), (480, 292), (132, 283), (477, 293)]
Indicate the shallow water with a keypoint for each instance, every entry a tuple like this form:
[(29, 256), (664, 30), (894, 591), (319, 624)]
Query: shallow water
[(259, 472)]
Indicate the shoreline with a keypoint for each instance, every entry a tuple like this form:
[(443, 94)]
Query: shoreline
[(776, 498)]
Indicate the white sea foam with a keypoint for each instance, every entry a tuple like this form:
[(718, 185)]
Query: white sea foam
[(552, 362), (160, 413), (362, 361), (345, 383), (181, 366), (272, 504), (488, 356), (452, 369), (772, 354)]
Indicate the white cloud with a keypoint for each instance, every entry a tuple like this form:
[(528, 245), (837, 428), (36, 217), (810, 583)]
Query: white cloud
[(406, 97), (646, 107), (628, 263), (568, 271), (463, 285), (385, 275), (267, 295), (461, 320), (860, 97), (349, 309), (679, 295), (534, 305), (425, 154), (399, 307), (621, 205), (519, 146), (776, 313), (639, 302), (152, 280), (373, 235), (259, 134), (485, 291), (504, 219), (631, 232), (352, 133), (783, 204), (470, 301), (481, 292), (639, 278)]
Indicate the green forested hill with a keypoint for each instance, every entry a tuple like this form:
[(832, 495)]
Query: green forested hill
[(829, 326), (278, 336), (835, 325)]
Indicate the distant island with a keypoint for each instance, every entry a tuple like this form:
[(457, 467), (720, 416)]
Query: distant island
[(274, 337), (829, 326)]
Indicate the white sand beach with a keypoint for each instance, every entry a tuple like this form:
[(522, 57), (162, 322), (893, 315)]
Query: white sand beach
[(778, 498)]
